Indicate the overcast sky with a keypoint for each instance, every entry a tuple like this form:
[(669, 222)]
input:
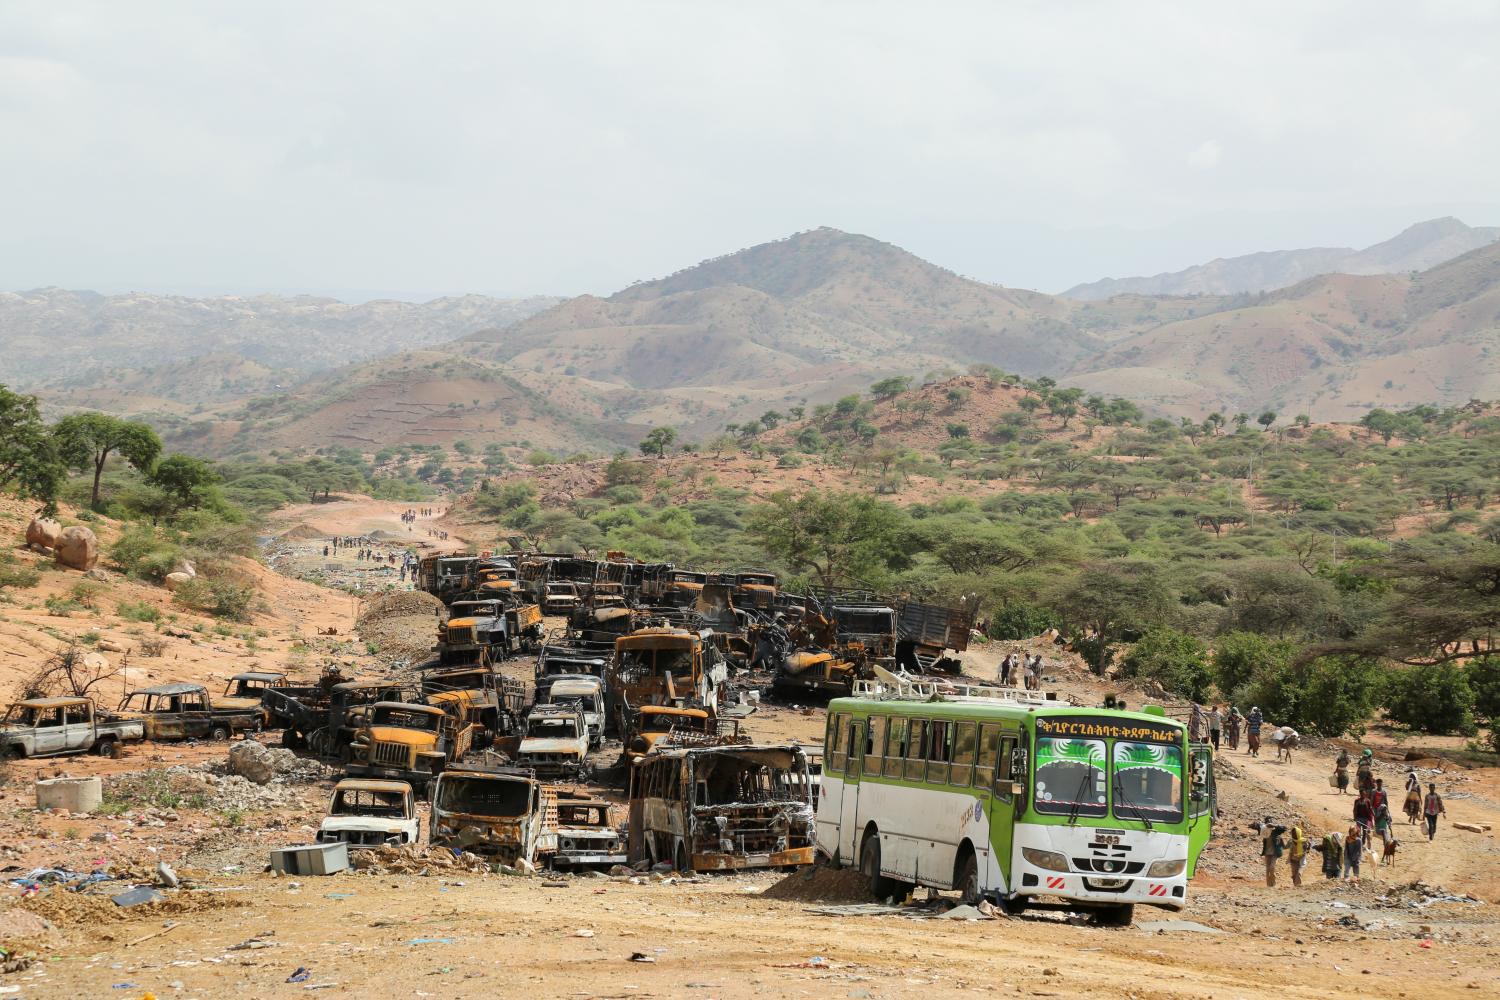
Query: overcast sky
[(544, 147)]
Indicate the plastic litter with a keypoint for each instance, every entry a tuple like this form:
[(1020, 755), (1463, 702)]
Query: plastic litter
[(300, 976), (138, 896), (436, 940)]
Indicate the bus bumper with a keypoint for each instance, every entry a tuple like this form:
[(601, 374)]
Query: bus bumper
[(1170, 894)]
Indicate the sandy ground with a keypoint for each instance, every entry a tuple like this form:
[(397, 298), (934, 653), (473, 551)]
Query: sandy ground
[(447, 934)]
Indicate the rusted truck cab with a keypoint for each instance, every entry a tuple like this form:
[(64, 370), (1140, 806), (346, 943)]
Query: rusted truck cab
[(662, 666), (559, 597), (556, 744), (757, 589), (370, 813), (723, 808), (406, 742), (657, 722), (503, 814), (585, 836), (246, 691)]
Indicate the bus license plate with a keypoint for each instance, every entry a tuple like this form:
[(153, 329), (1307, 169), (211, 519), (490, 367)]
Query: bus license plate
[(1107, 883)]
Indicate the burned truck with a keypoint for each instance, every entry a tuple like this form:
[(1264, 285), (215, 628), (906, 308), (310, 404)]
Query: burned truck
[(410, 743), (503, 814), (662, 666), (722, 808), (585, 836), (170, 712)]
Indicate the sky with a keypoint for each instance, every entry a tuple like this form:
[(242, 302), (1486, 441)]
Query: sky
[(411, 150)]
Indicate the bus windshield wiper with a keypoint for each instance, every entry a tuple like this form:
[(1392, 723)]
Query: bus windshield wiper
[(1088, 772), (1139, 814)]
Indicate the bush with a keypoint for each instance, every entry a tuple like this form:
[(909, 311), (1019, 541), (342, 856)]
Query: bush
[(1431, 699), (87, 592), (145, 552), (1019, 620), (1241, 657), (623, 494), (16, 574), (1177, 660), (138, 611), (222, 598), (61, 606), (1327, 696), (1484, 681)]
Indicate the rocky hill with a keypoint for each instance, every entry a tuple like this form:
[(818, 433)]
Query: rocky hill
[(54, 338), (1416, 248)]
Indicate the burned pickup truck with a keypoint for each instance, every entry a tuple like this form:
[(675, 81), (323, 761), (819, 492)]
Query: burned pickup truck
[(48, 727), (369, 813), (183, 712), (585, 836), (503, 814), (722, 808)]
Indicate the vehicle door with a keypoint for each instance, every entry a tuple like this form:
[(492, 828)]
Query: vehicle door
[(78, 724), (197, 720), (1009, 796), (833, 836), (1202, 802), (855, 730), (51, 734)]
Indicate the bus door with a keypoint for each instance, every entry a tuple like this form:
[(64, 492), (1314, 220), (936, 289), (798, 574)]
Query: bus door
[(1202, 802), (853, 770), (1006, 803)]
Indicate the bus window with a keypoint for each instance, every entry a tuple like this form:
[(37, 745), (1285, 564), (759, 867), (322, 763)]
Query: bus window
[(984, 773), (874, 743), (856, 745), (895, 747), (1148, 782), (916, 748), (1003, 772), (1069, 776), (963, 753), (938, 735), (838, 749)]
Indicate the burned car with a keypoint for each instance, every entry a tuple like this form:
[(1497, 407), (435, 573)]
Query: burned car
[(722, 808), (556, 744), (504, 814), (585, 836), (370, 813)]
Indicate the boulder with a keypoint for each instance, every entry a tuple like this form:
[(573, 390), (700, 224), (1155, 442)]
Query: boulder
[(175, 580), (184, 566), (42, 534), (94, 662), (77, 548), (109, 646), (259, 763)]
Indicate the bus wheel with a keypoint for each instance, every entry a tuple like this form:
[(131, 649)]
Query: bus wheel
[(968, 878), (869, 866), (1116, 916), (1013, 906)]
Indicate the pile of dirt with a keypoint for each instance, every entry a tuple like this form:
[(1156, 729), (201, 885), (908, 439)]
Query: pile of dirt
[(24, 931), (822, 884), (302, 531), (401, 625)]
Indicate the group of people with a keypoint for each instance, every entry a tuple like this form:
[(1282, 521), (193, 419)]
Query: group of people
[(1022, 669), (1343, 851), (349, 542), (435, 533), (410, 515)]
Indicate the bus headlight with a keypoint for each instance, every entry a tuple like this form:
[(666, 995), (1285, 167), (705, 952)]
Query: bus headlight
[(1050, 860), (1166, 869)]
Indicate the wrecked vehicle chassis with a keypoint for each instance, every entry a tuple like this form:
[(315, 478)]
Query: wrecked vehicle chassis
[(722, 808)]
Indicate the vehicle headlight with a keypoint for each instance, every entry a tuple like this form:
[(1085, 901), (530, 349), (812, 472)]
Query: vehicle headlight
[(1050, 860), (1166, 869)]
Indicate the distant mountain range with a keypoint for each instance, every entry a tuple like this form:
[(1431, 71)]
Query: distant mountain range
[(794, 322), (52, 336), (1416, 248)]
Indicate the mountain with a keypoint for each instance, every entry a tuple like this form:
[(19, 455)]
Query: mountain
[(1415, 248), (52, 337), (1333, 347)]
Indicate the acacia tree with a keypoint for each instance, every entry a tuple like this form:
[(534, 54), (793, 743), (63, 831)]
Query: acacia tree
[(28, 453), (841, 538), (657, 441), (86, 440)]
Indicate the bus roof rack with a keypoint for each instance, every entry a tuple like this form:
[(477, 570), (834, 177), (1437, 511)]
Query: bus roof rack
[(886, 685)]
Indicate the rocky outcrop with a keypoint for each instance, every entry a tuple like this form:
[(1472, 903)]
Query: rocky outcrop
[(175, 580), (77, 548), (43, 533)]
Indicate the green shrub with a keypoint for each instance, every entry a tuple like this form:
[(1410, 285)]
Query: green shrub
[(138, 611), (1240, 657), (146, 552), (623, 494), (61, 606), (222, 598), (1432, 699), (1484, 681), (17, 575), (1327, 696), (1179, 661), (1020, 620), (87, 592)]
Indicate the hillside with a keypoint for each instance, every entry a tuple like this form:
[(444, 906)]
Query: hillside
[(1415, 248), (1332, 347), (56, 339)]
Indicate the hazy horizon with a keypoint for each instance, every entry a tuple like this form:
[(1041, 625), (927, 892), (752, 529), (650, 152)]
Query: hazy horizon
[(365, 151)]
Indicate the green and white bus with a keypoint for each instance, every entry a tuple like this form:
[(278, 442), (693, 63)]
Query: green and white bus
[(1009, 795)]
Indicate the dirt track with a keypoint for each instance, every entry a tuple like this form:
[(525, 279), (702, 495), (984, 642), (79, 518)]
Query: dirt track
[(456, 935)]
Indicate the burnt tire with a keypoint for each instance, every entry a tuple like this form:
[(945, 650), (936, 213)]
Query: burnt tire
[(966, 878), (219, 734), (881, 887), (108, 748)]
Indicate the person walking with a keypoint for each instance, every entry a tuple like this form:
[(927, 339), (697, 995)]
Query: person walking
[(1271, 848), (1364, 815), (1364, 774), (1006, 666), (1253, 723), (1332, 849), (1432, 808), (1215, 726), (1413, 805), (1378, 798), (1296, 853), (1341, 772), (1196, 724), (1353, 847), (1232, 726)]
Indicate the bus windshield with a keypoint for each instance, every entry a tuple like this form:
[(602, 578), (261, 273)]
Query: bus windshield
[(1148, 782), (1070, 777)]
